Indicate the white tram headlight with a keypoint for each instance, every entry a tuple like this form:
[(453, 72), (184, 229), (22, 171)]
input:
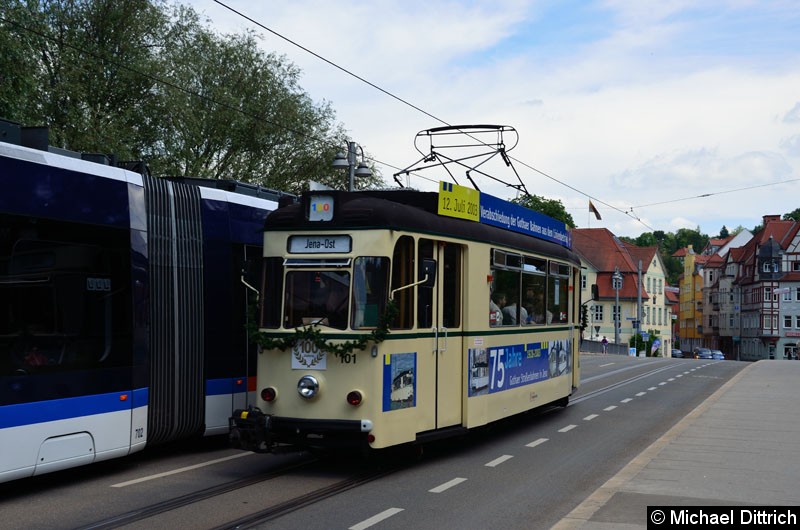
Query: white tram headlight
[(308, 386)]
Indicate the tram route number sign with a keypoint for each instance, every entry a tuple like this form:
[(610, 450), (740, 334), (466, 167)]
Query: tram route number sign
[(459, 201)]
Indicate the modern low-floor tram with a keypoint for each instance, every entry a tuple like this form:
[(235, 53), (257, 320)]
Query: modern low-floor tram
[(122, 310)]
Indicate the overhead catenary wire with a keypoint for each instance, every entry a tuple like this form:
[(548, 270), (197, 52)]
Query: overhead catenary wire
[(415, 107), (188, 91)]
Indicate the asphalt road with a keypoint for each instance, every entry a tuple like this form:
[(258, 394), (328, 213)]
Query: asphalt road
[(526, 473)]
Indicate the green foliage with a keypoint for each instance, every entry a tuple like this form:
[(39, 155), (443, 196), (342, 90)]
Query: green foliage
[(584, 318), (794, 215), (148, 80), (314, 335), (551, 207)]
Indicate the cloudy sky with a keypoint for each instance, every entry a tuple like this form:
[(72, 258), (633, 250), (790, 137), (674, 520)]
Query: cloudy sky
[(667, 114)]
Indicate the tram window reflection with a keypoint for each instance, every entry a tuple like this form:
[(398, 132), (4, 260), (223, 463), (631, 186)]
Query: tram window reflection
[(318, 297), (63, 305), (370, 285), (424, 294), (557, 292)]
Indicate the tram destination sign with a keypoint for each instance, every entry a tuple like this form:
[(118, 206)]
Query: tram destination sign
[(467, 203), (309, 244)]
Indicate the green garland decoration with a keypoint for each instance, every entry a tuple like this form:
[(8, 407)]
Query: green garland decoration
[(314, 335)]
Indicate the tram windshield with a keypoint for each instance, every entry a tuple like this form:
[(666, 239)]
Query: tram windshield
[(317, 298), (332, 298)]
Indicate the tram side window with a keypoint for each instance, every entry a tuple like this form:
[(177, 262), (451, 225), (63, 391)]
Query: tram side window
[(451, 288), (271, 289), (557, 293), (534, 287), (424, 294), (506, 290), (370, 290), (402, 275), (64, 305)]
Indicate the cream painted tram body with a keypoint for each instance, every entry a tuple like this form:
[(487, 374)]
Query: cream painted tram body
[(451, 361)]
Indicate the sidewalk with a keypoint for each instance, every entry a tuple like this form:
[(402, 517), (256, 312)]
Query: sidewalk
[(738, 448)]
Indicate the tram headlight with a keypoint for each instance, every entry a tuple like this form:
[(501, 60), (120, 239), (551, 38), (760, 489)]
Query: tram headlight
[(269, 394), (355, 397), (308, 386)]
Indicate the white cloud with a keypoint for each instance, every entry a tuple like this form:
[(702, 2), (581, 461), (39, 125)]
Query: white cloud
[(628, 102)]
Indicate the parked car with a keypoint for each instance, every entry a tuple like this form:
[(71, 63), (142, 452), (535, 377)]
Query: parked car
[(702, 353), (677, 354), (717, 355)]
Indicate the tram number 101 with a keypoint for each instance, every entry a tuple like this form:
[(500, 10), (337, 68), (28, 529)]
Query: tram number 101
[(347, 358)]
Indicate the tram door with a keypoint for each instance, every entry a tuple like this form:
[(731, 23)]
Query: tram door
[(445, 318)]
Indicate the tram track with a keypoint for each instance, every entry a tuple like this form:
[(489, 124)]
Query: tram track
[(143, 514), (153, 510), (312, 497), (616, 384)]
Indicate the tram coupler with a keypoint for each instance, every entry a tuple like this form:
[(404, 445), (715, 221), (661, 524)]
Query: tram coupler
[(249, 430)]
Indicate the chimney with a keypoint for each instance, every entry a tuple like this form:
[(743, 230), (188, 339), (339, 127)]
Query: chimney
[(770, 218)]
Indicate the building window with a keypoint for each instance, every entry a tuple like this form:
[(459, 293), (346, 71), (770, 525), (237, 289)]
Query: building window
[(616, 313), (597, 313), (797, 321), (583, 282), (787, 321), (767, 322), (796, 266)]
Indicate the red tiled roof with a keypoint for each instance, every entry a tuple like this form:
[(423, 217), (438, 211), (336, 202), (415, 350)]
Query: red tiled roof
[(602, 249), (646, 254), (605, 252)]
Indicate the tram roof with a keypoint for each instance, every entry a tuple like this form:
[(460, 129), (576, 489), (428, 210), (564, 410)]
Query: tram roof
[(404, 210)]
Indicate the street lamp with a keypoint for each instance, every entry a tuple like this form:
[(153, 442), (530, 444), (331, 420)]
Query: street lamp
[(348, 162), (616, 284)]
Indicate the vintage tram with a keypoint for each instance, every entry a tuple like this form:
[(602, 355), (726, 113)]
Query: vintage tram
[(397, 317)]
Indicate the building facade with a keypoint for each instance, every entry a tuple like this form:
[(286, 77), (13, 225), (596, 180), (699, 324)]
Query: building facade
[(753, 295), (630, 305)]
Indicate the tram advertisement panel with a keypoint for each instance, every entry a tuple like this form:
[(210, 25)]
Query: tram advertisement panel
[(506, 367), (497, 212), (399, 381)]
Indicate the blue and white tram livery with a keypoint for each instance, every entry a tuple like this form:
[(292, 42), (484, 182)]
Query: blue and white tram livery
[(398, 317), (122, 310)]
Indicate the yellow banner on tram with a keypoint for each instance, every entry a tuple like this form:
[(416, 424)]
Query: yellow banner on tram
[(459, 201)]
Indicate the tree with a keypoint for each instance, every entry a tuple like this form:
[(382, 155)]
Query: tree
[(794, 215), (148, 81), (551, 207), (723, 233)]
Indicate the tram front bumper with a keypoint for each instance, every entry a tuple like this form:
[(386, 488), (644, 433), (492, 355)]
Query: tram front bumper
[(252, 430)]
